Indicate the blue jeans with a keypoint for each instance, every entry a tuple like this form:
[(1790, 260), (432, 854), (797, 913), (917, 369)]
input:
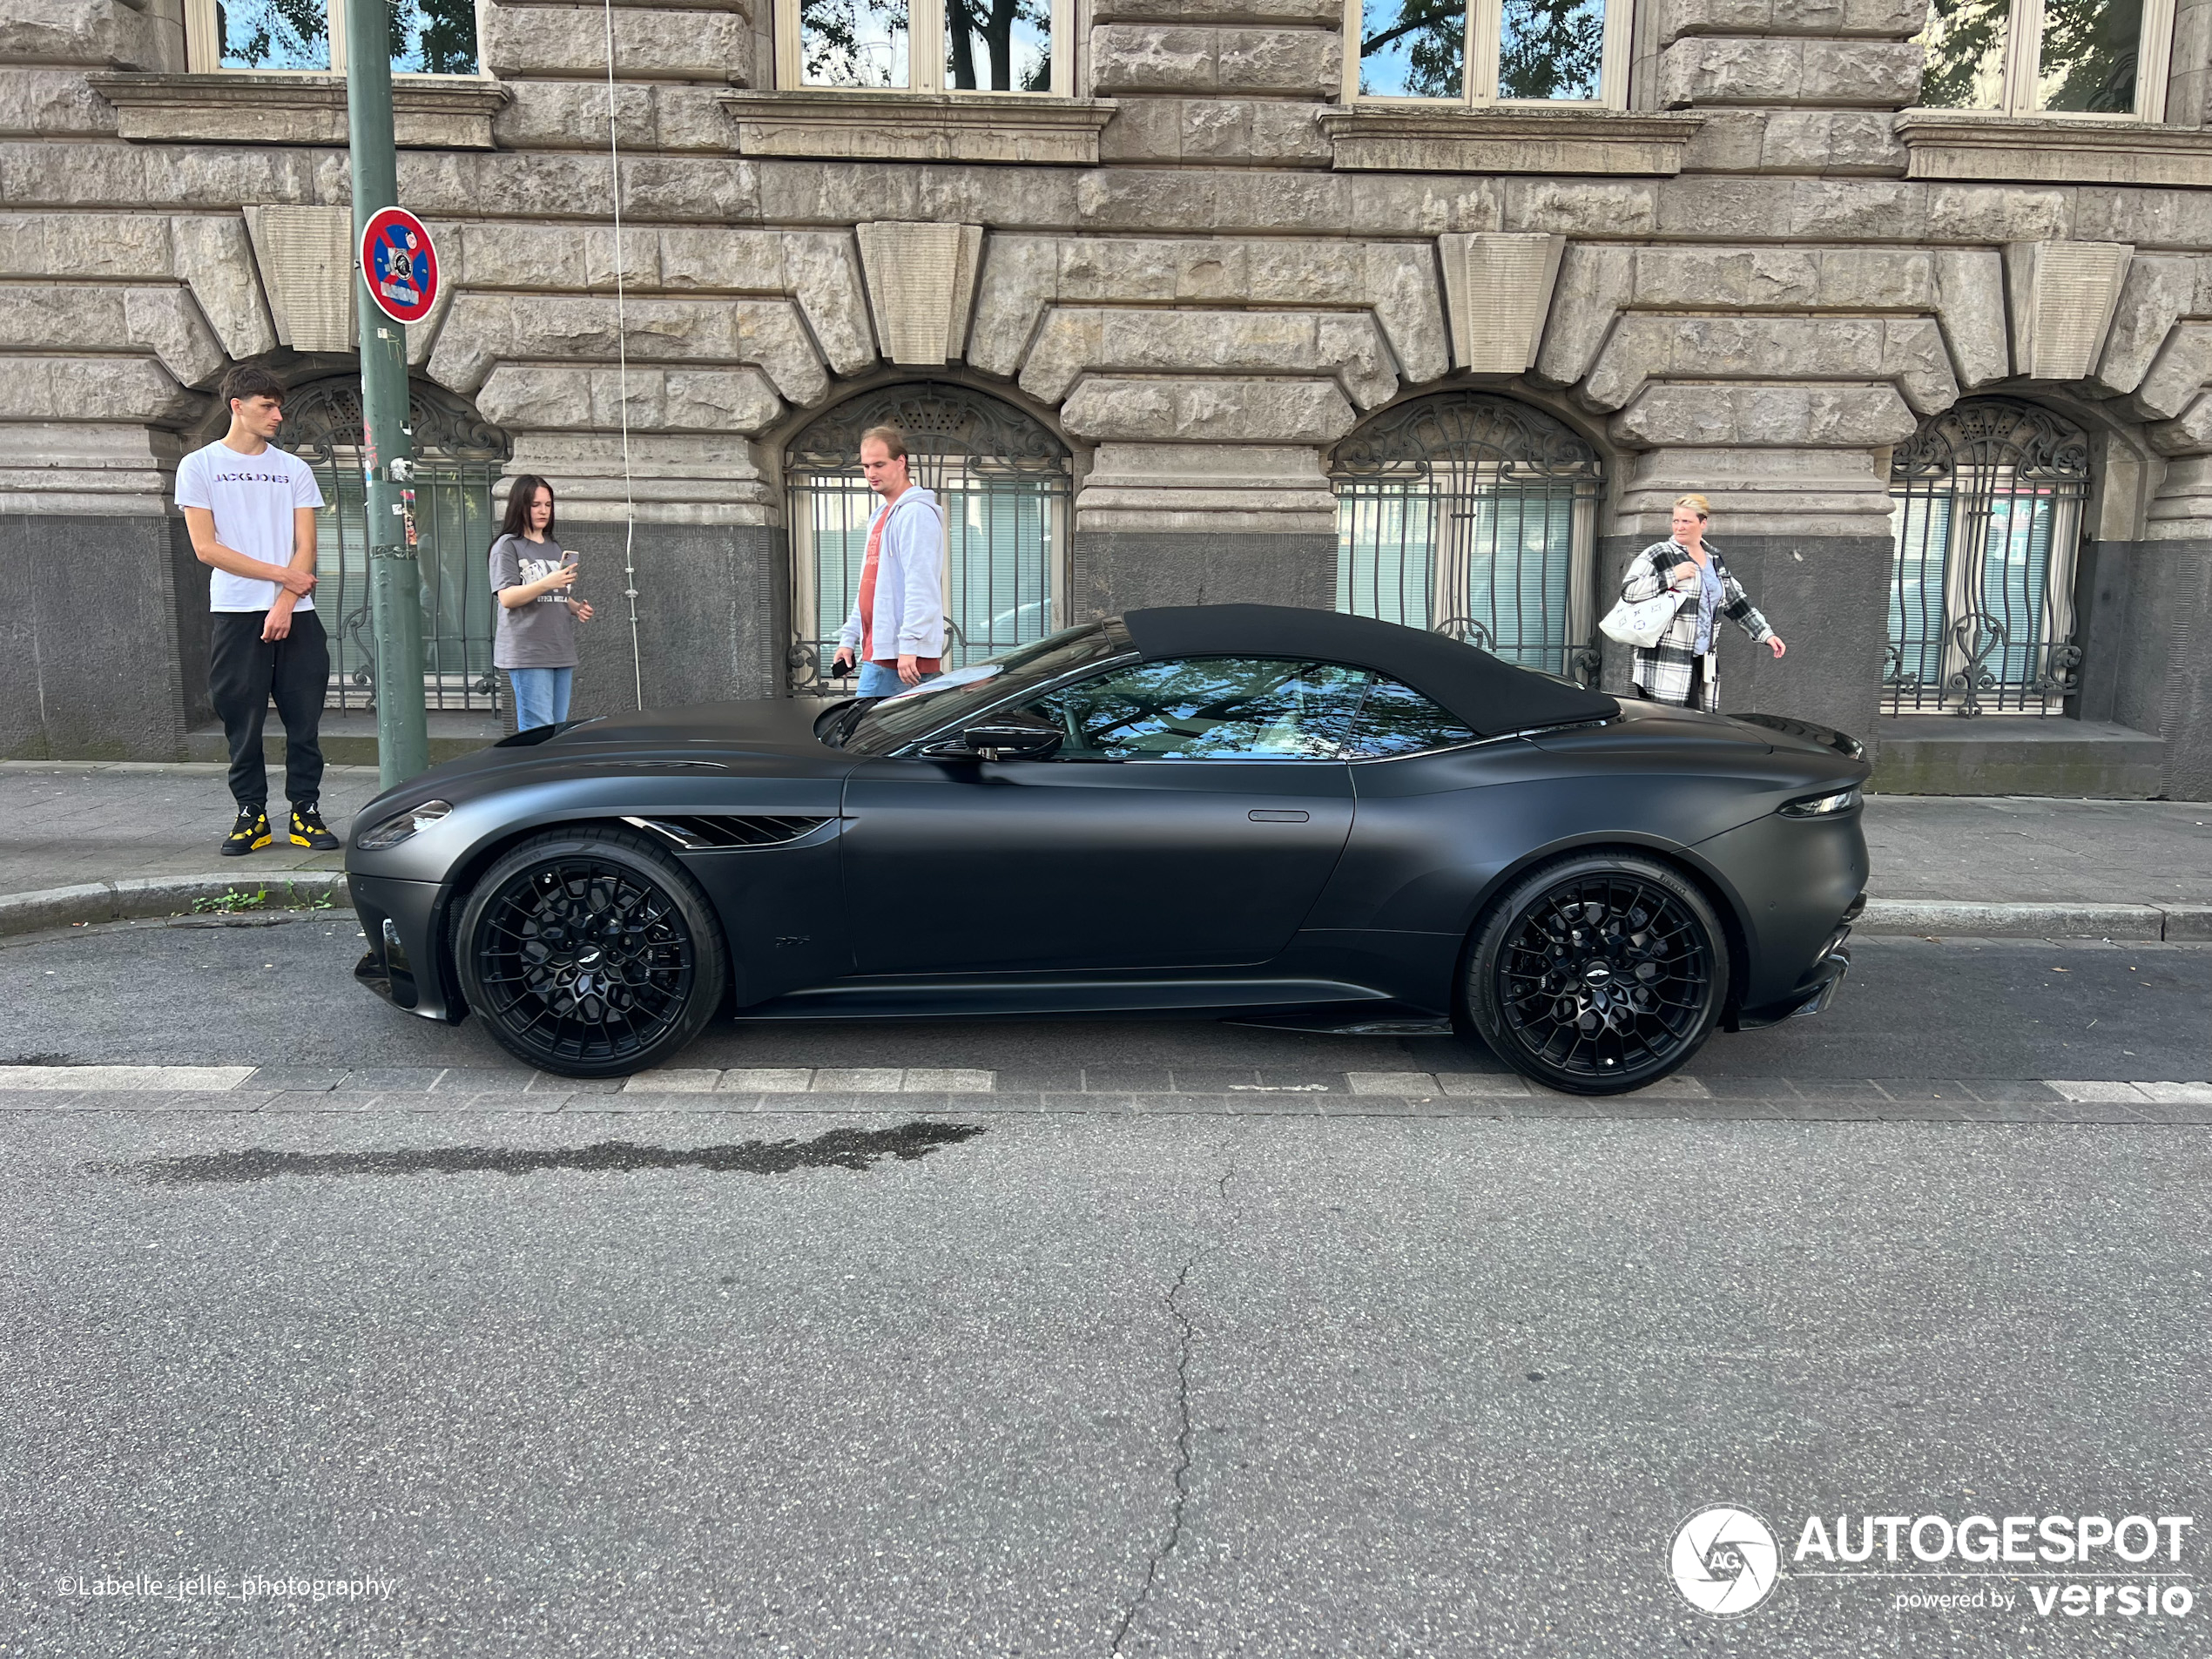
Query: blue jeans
[(878, 679), (540, 695)]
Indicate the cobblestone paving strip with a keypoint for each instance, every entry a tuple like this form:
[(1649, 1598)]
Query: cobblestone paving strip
[(124, 1076), (2173, 1105), (804, 1089)]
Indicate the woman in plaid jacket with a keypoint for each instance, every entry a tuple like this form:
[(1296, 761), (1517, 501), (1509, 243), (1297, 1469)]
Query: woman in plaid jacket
[(1683, 667)]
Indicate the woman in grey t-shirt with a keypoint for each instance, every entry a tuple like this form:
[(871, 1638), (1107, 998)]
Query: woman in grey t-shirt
[(536, 642)]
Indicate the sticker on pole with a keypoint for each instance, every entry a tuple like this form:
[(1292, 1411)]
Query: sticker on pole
[(400, 263)]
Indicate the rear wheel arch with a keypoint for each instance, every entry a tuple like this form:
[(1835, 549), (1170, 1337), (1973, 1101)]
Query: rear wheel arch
[(1723, 903), (1521, 989)]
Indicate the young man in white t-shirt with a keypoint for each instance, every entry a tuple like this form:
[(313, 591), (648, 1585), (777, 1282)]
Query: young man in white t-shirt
[(250, 508)]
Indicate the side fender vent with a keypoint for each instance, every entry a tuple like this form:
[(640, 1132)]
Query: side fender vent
[(726, 830)]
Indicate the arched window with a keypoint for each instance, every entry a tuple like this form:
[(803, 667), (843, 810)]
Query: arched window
[(1476, 517), (1003, 481), (458, 458), (1986, 503)]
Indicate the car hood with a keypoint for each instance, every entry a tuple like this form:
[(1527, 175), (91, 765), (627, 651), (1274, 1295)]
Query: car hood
[(757, 737), (757, 726)]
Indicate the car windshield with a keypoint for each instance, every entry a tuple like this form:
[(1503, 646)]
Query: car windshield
[(898, 721)]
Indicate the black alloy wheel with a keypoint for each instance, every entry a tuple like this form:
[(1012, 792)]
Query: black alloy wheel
[(589, 953), (1598, 973)]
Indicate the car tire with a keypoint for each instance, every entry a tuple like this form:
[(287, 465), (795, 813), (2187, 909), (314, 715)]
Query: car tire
[(589, 953), (1597, 974)]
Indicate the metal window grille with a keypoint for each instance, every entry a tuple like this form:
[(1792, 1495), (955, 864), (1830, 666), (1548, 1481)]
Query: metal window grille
[(1003, 481), (1474, 516), (1986, 505), (458, 460)]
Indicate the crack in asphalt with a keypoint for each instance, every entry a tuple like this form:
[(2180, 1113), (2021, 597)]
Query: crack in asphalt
[(1183, 1448)]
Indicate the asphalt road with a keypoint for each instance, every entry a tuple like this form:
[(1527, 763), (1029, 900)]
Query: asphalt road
[(1081, 1383), (1073, 1385), (280, 990)]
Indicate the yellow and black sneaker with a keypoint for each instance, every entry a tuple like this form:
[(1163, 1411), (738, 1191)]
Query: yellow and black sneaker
[(249, 834), (309, 830)]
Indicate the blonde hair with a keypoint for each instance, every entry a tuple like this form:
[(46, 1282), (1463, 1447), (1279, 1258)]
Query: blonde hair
[(1696, 505)]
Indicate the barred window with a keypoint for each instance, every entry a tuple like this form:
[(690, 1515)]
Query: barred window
[(459, 494), (2105, 57), (1987, 500), (1475, 517), (1003, 482), (1489, 51)]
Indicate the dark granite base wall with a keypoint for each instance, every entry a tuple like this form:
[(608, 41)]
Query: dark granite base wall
[(90, 662), (1111, 572), (2146, 634), (713, 615), (1828, 597)]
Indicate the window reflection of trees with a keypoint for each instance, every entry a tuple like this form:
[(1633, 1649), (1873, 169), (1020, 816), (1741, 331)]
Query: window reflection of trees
[(1548, 50), (1216, 708), (2082, 56), (855, 43), (992, 24), (428, 37), (2089, 55), (1413, 49), (990, 45), (1551, 49)]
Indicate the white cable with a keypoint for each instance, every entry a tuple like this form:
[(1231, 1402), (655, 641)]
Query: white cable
[(621, 372)]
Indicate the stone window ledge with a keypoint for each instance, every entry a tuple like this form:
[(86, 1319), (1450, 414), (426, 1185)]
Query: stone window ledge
[(1383, 139), (1945, 144), (920, 126), (428, 111)]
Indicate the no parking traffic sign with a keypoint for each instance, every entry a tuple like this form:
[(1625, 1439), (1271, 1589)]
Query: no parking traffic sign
[(400, 263)]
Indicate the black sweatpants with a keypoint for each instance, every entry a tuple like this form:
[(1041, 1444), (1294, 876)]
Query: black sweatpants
[(243, 673)]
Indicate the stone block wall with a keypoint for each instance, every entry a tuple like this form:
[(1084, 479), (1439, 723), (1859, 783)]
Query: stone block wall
[(1226, 82), (1754, 283)]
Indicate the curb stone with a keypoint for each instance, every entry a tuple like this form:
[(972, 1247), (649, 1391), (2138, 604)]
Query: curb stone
[(165, 895), (1946, 920), (161, 895)]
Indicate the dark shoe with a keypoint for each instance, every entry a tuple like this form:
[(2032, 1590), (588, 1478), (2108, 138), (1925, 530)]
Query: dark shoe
[(249, 834), (309, 830)]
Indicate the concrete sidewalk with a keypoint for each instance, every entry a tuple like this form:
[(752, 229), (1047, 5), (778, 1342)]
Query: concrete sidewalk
[(2111, 866)]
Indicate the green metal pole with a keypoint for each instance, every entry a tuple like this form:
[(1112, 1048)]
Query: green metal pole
[(394, 586)]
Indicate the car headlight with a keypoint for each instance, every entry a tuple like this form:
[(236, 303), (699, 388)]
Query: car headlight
[(378, 837), (1822, 805)]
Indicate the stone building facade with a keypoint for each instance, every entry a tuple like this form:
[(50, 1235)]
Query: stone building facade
[(1212, 307)]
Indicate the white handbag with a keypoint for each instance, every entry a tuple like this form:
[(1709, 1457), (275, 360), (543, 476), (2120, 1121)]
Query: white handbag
[(1644, 623)]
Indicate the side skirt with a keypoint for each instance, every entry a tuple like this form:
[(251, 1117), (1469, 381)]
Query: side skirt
[(968, 998)]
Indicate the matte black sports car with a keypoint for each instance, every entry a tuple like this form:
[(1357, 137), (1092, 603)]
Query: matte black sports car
[(1240, 810)]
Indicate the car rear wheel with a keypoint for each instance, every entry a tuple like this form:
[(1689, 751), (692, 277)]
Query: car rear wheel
[(1598, 973), (590, 953)]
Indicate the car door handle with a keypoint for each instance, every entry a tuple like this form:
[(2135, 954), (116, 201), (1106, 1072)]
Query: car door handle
[(1262, 815)]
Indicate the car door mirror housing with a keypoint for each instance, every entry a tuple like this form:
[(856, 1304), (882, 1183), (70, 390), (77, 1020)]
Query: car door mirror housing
[(1012, 736)]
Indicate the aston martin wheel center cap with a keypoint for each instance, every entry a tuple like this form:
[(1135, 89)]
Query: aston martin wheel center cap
[(1596, 973)]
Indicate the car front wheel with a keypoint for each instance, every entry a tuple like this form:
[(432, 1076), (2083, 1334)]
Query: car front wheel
[(1597, 974), (589, 953)]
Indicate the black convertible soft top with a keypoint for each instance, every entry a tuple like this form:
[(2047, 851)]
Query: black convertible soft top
[(1493, 697)]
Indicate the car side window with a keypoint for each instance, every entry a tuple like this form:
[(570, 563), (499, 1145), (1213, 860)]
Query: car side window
[(1207, 708), (1395, 719)]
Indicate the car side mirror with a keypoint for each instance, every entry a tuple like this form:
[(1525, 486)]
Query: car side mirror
[(1012, 736)]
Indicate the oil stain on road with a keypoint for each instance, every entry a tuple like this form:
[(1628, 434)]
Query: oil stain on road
[(838, 1149)]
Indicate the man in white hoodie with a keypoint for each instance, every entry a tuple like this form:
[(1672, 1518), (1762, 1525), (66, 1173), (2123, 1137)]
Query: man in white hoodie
[(896, 632)]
